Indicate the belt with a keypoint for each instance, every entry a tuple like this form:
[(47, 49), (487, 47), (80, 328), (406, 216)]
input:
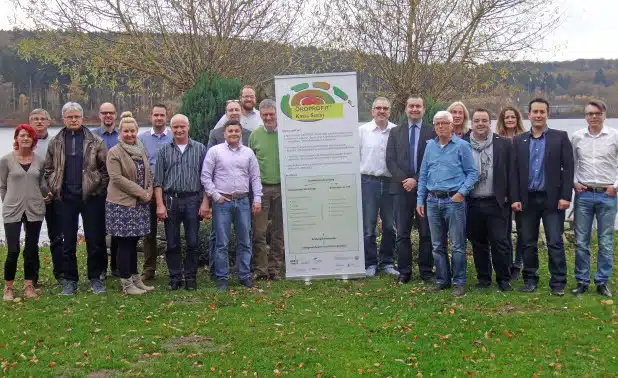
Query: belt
[(182, 194), (443, 194), (492, 198), (596, 190), (235, 196), (381, 178)]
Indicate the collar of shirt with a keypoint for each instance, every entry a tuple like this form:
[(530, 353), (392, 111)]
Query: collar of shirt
[(603, 131), (540, 137), (268, 131), (232, 148), (105, 132), (437, 140), (419, 124), (44, 137), (152, 131), (189, 142), (387, 128)]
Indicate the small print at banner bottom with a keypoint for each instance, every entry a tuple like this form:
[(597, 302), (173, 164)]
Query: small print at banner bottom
[(320, 175)]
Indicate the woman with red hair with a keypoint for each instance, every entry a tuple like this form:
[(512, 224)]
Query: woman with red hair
[(22, 189)]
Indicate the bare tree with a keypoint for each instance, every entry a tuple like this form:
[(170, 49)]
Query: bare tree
[(175, 40), (436, 48)]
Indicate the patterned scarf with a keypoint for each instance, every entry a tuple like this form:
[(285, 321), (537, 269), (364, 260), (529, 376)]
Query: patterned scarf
[(136, 151), (481, 147)]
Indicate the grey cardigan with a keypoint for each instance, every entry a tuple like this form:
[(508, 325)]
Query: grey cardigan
[(21, 191)]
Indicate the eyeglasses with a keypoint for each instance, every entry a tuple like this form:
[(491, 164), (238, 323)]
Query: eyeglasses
[(594, 114), (107, 113), (381, 108)]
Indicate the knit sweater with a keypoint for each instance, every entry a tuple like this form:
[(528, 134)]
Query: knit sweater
[(266, 147)]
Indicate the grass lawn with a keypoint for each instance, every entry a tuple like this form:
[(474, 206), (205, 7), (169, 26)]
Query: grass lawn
[(329, 328)]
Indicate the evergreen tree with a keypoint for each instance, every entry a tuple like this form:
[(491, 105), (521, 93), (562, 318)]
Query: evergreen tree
[(599, 77), (204, 104)]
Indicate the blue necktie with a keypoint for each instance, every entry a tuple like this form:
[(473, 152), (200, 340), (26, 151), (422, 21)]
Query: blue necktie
[(413, 149)]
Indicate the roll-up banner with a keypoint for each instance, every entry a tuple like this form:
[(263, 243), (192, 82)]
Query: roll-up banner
[(320, 175)]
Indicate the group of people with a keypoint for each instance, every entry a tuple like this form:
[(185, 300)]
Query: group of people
[(458, 180), (122, 182), (455, 180)]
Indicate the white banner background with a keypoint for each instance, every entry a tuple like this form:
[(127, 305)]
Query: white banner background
[(320, 176)]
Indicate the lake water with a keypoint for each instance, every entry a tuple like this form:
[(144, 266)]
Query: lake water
[(6, 145)]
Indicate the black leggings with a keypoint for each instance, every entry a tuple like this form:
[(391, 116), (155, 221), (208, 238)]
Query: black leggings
[(31, 248), (126, 257)]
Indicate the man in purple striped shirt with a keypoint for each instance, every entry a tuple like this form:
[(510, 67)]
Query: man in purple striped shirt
[(227, 171)]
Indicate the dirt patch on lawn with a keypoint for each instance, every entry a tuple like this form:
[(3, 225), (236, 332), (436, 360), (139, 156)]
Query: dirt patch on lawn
[(197, 344), (104, 373)]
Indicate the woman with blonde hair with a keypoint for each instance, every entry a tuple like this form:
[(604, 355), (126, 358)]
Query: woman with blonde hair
[(461, 118), (22, 189), (127, 210), (510, 122)]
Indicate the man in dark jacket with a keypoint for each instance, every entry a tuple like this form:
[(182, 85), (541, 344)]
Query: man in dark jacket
[(77, 177), (488, 207)]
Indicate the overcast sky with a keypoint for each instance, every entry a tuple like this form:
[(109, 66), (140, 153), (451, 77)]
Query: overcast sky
[(587, 31)]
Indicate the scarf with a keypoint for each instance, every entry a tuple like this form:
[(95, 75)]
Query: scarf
[(481, 147), (136, 151)]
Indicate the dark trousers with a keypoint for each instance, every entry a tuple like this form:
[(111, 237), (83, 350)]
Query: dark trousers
[(127, 255), (487, 231), (31, 248), (183, 210), (405, 214), (150, 244), (553, 222), (92, 211), (518, 255), (376, 200), (54, 233)]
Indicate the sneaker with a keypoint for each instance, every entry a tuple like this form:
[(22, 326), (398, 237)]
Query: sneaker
[(174, 285), (437, 288), (370, 271), (528, 288), (103, 276), (557, 292), (459, 291), (604, 290), (389, 269), (482, 285), (69, 287), (247, 283), (97, 286), (190, 285), (9, 294), (580, 289), (222, 285)]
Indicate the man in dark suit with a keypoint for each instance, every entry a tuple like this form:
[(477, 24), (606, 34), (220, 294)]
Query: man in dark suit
[(216, 137), (543, 186), (488, 207), (404, 155)]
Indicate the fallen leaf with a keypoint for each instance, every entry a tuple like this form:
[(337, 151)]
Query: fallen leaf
[(608, 302), (52, 364)]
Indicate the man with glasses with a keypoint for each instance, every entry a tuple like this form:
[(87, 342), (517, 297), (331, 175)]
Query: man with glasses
[(40, 120), (404, 156), (375, 185), (77, 177), (107, 131), (250, 116), (447, 175), (595, 151)]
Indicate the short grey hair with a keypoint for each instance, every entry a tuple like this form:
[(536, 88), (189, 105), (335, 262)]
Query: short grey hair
[(383, 99), (72, 106), (443, 114), (178, 117), (267, 103), (40, 111)]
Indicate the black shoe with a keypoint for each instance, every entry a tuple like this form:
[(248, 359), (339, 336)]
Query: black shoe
[(247, 283), (174, 285), (191, 285), (222, 285), (557, 292), (404, 278), (580, 289), (505, 286), (459, 291), (482, 285), (528, 288), (604, 290), (436, 288), (515, 273)]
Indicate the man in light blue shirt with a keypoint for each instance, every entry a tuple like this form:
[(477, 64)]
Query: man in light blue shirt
[(153, 140), (448, 174)]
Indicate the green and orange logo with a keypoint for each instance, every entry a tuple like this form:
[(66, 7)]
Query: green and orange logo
[(315, 102)]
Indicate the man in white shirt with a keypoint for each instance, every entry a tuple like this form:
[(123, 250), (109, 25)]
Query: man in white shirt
[(596, 156), (250, 116), (375, 183)]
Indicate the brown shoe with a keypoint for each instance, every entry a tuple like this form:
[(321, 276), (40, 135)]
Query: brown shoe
[(29, 291), (9, 295), (147, 277)]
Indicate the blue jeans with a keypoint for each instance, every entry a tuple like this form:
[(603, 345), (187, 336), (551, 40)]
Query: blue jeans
[(589, 205), (448, 218), (224, 214), (376, 199), (183, 210)]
